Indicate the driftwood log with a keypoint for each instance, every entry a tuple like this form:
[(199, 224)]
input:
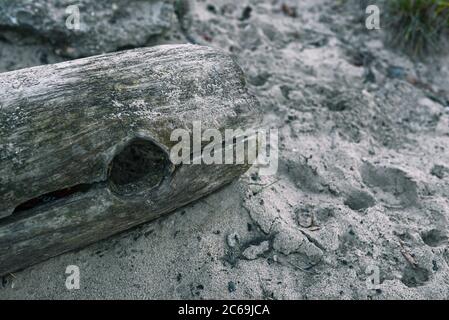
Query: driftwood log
[(84, 144)]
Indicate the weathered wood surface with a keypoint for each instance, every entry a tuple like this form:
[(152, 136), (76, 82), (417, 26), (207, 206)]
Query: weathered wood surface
[(62, 125)]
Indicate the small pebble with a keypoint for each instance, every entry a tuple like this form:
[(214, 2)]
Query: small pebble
[(232, 239), (254, 251)]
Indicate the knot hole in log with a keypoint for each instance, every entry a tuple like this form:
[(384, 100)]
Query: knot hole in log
[(140, 166)]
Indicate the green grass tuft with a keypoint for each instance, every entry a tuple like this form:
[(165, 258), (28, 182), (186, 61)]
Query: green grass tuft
[(421, 27)]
